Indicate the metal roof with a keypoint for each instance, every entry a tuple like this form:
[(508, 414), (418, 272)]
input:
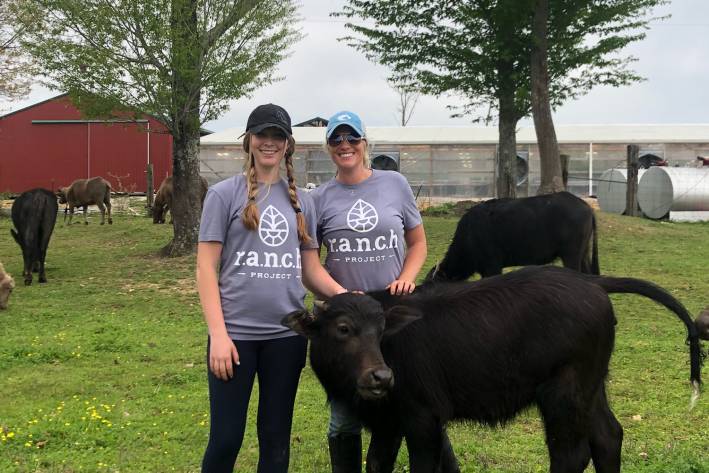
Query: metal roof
[(421, 135)]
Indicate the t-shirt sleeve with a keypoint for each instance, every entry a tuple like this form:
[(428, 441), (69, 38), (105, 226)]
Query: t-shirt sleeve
[(311, 220), (215, 217), (412, 216)]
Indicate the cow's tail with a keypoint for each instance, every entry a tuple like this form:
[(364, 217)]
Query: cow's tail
[(595, 268), (660, 295)]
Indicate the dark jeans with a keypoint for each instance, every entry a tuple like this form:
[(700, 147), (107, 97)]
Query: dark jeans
[(278, 363)]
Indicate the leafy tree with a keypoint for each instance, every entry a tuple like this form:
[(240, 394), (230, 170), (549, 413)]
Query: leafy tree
[(480, 51), (15, 66), (180, 61), (572, 37)]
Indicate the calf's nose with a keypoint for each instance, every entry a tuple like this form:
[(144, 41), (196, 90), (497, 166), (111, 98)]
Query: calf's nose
[(383, 377)]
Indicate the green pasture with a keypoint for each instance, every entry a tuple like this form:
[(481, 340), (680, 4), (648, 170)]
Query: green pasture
[(102, 369)]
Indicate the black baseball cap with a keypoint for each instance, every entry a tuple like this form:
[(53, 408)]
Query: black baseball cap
[(266, 116)]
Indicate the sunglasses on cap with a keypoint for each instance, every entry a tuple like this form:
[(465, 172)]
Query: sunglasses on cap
[(336, 140)]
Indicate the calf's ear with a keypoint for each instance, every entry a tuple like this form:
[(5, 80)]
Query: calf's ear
[(398, 317), (301, 322)]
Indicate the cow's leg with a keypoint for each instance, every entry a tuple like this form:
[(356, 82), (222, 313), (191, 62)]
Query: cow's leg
[(425, 444), (606, 436), (27, 273), (565, 413), (40, 261), (71, 215), (449, 463), (86, 208), (42, 275), (102, 209), (42, 252), (383, 449), (107, 201), (574, 260)]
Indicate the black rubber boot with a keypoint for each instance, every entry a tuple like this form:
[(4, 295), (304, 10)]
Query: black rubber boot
[(346, 453)]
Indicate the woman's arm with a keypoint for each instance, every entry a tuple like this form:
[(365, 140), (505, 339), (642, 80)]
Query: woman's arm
[(416, 252), (315, 278), (221, 348)]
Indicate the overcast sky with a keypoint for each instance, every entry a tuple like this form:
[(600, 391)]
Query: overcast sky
[(324, 75)]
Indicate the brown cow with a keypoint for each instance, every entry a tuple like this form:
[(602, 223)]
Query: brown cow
[(163, 199), (7, 284), (85, 192)]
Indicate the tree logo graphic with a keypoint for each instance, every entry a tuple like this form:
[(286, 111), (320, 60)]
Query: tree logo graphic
[(362, 217), (272, 227)]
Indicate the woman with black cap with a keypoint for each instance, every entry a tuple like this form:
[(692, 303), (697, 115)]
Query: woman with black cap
[(255, 253)]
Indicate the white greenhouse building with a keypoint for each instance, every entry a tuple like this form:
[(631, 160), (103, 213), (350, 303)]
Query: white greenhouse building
[(459, 162)]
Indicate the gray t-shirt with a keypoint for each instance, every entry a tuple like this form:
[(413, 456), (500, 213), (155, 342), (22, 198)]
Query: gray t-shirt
[(260, 270), (362, 227)]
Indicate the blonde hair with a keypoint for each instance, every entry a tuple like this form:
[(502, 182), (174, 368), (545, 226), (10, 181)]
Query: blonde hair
[(250, 214)]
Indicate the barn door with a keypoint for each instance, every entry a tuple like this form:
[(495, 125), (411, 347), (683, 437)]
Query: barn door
[(118, 152)]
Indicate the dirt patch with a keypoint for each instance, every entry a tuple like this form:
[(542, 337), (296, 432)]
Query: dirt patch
[(178, 286)]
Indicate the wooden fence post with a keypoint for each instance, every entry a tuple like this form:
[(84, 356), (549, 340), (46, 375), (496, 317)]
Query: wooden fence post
[(149, 189), (565, 169), (631, 195)]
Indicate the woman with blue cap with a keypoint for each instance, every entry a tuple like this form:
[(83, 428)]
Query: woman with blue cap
[(255, 248), (373, 235)]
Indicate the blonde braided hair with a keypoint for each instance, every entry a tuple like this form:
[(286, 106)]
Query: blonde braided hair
[(300, 218), (250, 214)]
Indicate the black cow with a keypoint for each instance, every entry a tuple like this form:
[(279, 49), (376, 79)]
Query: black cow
[(481, 351), (34, 213), (517, 232)]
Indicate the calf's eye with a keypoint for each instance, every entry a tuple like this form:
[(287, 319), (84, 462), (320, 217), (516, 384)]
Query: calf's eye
[(343, 329)]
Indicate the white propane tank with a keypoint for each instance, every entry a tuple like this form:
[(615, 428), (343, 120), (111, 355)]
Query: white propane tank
[(611, 189), (664, 189)]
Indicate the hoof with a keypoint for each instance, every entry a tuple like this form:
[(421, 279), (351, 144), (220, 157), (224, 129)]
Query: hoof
[(86, 223), (110, 222)]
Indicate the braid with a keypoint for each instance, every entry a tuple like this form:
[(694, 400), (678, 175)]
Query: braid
[(300, 218), (250, 214)]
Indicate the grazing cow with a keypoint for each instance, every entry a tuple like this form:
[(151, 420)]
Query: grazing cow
[(702, 323), (163, 198), (7, 284), (517, 232), (85, 192), (34, 213), (481, 351)]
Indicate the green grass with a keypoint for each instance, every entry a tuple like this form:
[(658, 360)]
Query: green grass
[(103, 369)]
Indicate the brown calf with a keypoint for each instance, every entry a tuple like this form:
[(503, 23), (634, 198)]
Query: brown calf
[(85, 192), (163, 199)]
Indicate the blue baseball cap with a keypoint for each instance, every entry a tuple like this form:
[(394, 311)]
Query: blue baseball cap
[(344, 117)]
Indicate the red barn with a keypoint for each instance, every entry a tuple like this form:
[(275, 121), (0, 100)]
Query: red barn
[(50, 144)]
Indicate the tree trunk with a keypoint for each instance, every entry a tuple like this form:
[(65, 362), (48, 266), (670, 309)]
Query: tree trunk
[(507, 127), (186, 64), (631, 193), (551, 179), (186, 197)]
